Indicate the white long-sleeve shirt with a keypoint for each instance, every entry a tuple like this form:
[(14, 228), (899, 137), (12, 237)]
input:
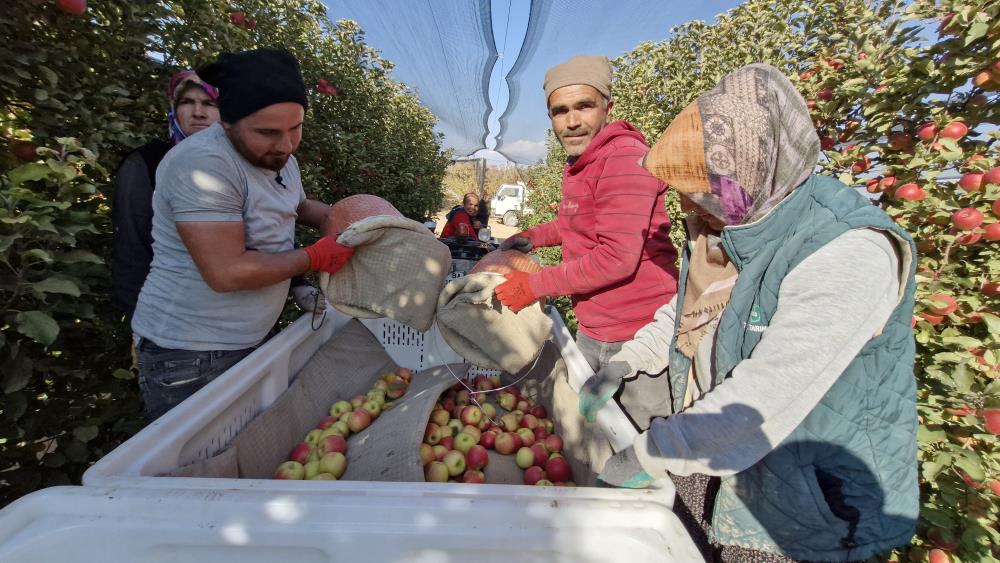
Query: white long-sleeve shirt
[(829, 307)]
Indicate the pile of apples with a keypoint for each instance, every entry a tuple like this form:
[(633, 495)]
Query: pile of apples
[(460, 433), (323, 452)]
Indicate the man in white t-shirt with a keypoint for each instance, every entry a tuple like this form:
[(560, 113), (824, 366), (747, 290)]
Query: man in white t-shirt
[(224, 215)]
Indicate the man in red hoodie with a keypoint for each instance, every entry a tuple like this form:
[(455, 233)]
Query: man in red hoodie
[(618, 262)]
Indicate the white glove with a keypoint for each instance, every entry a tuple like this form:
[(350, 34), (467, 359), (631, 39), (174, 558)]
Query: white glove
[(308, 298)]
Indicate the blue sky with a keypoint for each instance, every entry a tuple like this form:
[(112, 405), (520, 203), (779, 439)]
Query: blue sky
[(574, 27)]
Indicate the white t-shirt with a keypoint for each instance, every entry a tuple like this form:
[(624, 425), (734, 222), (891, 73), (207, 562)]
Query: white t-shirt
[(204, 178)]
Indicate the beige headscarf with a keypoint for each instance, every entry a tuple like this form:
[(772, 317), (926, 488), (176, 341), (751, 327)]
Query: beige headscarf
[(735, 152)]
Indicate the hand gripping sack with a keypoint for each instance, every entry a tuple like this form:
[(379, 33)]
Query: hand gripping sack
[(482, 330), (398, 267)]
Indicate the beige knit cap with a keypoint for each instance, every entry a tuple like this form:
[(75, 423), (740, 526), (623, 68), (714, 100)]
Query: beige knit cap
[(592, 70)]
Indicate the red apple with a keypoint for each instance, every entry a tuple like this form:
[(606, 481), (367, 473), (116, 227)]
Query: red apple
[(73, 7), (554, 443), (334, 463), (938, 556), (538, 411), (861, 165), (440, 417), (448, 404), (992, 176), (529, 421), (474, 476), (448, 442), (835, 64), (995, 487), (927, 131), (477, 457), (290, 470), (541, 455), (972, 182), (473, 431), (942, 304), (992, 231), (933, 320), (301, 453), (533, 475), (506, 443), (967, 218), (527, 436), (439, 451), (405, 373), (540, 433), (426, 454), (558, 469), (910, 192), (332, 444), (900, 142), (472, 415), (488, 440), (455, 462), (432, 434), (436, 472), (357, 401), (954, 130), (359, 420), (826, 142), (825, 94), (326, 422), (990, 289), (462, 397), (969, 238), (25, 151), (523, 405), (509, 422), (807, 74), (991, 418), (237, 18)]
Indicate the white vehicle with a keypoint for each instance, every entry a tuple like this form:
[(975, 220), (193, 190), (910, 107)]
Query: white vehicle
[(509, 203)]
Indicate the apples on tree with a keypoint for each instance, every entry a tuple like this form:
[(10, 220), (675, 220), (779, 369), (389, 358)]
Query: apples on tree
[(73, 7), (967, 218), (927, 131), (991, 420), (972, 181), (942, 304), (954, 130), (910, 192)]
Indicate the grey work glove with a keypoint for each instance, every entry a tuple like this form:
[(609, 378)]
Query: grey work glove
[(517, 242), (624, 470), (308, 298), (601, 386)]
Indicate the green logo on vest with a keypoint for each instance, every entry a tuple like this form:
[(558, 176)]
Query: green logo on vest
[(756, 323)]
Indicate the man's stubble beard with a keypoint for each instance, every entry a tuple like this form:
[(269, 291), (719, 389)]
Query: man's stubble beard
[(267, 162)]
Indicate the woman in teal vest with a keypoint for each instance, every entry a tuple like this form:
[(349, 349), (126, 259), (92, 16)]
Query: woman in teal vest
[(786, 415)]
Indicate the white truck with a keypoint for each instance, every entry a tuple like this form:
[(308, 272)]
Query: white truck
[(510, 202)]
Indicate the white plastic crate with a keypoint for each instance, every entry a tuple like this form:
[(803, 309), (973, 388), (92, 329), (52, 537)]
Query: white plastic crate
[(343, 521), (208, 421)]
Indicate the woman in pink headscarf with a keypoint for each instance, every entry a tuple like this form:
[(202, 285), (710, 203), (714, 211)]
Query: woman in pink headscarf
[(193, 107)]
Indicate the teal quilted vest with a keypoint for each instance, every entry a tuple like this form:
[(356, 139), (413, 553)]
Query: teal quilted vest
[(843, 485)]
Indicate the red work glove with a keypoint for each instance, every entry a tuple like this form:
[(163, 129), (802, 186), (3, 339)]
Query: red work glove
[(328, 255), (516, 292)]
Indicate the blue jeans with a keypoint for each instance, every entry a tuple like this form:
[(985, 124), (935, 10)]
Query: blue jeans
[(168, 376), (597, 352)]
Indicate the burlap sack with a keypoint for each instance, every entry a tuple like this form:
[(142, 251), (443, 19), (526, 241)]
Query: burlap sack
[(484, 332), (397, 271), (479, 328)]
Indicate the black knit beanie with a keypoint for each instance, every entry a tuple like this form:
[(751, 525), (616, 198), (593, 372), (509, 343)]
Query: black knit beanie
[(252, 80)]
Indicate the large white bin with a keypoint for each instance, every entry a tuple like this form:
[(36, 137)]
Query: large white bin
[(208, 421), (342, 521)]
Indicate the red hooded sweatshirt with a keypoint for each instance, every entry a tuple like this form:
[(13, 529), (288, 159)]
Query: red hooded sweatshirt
[(618, 261)]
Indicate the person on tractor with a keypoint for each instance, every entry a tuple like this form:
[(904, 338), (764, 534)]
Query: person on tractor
[(462, 220), (224, 213), (618, 260)]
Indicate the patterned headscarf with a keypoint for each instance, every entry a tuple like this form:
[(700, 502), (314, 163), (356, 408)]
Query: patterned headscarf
[(178, 83), (735, 152), (740, 148)]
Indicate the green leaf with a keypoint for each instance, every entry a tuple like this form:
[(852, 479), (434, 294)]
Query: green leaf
[(85, 433), (16, 373), (28, 173), (77, 451), (976, 30), (963, 378), (121, 373), (38, 326), (992, 322), (56, 285), (971, 466), (76, 256), (15, 407), (928, 436)]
